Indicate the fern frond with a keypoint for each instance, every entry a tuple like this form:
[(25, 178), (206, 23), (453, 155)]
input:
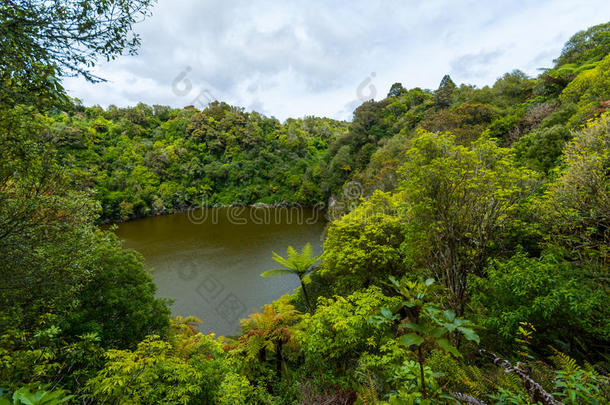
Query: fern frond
[(591, 370), (564, 362)]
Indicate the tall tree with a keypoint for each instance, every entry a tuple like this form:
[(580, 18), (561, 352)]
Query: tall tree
[(576, 206), (396, 90), (443, 97), (457, 201)]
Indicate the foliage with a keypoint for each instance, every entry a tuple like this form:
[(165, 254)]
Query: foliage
[(42, 41), (120, 285), (299, 264), (418, 188), (588, 45), (28, 396), (457, 201), (363, 247), (578, 385), (44, 224), (45, 357), (338, 333), (425, 324), (267, 333), (147, 160), (563, 300), (572, 384), (588, 90), (151, 374), (50, 250), (576, 205), (540, 149)]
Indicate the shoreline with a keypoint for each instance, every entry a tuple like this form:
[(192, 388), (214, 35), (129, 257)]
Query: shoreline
[(319, 207)]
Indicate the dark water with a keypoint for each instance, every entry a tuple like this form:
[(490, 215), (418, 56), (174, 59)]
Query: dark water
[(210, 260)]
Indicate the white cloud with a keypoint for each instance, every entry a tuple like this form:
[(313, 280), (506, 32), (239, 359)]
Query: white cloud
[(290, 59)]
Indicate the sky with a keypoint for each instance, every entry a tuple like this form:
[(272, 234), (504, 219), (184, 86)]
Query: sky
[(323, 58)]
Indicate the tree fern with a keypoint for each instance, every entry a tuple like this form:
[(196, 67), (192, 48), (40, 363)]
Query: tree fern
[(299, 264)]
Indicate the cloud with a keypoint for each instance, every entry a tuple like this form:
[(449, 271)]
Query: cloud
[(291, 59), (472, 66)]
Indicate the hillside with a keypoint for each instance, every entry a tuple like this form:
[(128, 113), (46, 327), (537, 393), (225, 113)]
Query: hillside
[(148, 160), (466, 258)]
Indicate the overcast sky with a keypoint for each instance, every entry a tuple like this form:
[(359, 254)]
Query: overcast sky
[(297, 58)]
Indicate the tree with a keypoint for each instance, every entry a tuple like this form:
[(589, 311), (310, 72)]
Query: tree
[(45, 226), (41, 41), (590, 89), (363, 247), (269, 330), (396, 90), (576, 205), (586, 46), (443, 97), (513, 88), (540, 149), (299, 264), (50, 249), (118, 302), (457, 202), (338, 333)]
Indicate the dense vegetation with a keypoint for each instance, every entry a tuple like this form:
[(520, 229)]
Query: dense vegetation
[(467, 260), (149, 160)]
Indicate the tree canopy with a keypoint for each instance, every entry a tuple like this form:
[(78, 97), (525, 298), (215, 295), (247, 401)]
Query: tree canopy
[(465, 261)]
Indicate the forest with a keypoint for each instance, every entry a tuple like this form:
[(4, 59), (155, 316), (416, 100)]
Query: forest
[(471, 266)]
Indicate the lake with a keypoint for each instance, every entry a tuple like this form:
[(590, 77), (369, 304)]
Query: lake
[(209, 260)]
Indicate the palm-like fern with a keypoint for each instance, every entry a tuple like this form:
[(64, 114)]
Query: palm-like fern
[(183, 333), (299, 264), (268, 330), (187, 325)]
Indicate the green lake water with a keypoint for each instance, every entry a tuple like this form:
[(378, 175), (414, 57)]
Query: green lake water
[(209, 261)]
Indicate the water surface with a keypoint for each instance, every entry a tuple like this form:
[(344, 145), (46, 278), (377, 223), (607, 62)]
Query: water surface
[(209, 261)]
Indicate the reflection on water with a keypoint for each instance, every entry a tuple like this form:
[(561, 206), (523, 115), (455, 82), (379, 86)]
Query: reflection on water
[(210, 260)]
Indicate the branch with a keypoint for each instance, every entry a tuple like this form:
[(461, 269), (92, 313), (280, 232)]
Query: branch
[(466, 399), (537, 393)]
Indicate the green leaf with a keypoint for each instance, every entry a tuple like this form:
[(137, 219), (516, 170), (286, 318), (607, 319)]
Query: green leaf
[(411, 339), (387, 313), (414, 326), (276, 272), (394, 281), (26, 397), (448, 347), (437, 332), (408, 304), (449, 326), (469, 334)]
